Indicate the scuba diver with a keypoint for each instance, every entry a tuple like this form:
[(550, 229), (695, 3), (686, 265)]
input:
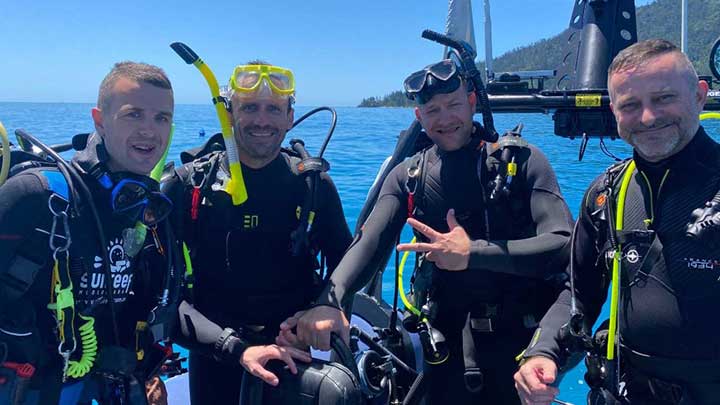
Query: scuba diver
[(253, 264), (85, 252), (638, 227), (488, 261)]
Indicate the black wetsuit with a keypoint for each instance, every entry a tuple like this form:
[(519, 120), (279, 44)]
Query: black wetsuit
[(525, 233), (668, 307), (245, 273), (27, 326)]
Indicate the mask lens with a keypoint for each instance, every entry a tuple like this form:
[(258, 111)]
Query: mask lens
[(417, 82), (280, 81), (128, 194), (157, 209), (443, 70), (247, 80)]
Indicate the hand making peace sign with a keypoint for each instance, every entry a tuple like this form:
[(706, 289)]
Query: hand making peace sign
[(449, 251)]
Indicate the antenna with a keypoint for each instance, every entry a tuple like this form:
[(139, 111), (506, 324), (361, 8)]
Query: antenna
[(489, 74)]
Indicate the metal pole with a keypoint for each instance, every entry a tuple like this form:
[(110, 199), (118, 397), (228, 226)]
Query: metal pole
[(684, 27), (489, 74)]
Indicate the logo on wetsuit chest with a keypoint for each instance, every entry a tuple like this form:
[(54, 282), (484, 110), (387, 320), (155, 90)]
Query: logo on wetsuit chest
[(250, 221), (92, 283), (701, 264)]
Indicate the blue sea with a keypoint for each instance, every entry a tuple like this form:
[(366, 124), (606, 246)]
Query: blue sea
[(364, 137)]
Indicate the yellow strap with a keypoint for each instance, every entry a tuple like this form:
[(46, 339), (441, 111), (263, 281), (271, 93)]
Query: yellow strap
[(615, 291)]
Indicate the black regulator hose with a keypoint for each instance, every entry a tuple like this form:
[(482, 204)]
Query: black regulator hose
[(333, 122)]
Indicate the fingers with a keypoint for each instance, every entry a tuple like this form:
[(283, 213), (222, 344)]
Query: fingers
[(282, 340), (418, 247), (423, 229), (530, 387), (292, 321), (262, 373), (323, 340), (287, 358), (298, 354), (451, 220), (287, 354)]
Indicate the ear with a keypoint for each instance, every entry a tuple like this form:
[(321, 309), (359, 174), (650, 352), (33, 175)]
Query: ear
[(417, 113), (472, 99), (612, 107), (291, 118), (98, 120), (701, 94)]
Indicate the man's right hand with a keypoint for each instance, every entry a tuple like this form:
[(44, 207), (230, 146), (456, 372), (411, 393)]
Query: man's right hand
[(533, 379), (315, 325), (254, 359)]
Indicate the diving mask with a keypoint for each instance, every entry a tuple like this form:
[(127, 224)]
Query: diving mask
[(438, 78), (134, 198), (249, 78)]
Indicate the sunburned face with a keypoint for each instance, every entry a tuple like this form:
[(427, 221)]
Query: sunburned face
[(656, 106), (447, 118), (136, 125)]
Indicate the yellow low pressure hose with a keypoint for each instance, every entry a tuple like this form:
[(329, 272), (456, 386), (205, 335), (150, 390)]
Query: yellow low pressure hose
[(4, 154), (236, 185), (710, 115), (401, 289)]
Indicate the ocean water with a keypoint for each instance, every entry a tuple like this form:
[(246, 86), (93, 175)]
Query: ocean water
[(364, 137)]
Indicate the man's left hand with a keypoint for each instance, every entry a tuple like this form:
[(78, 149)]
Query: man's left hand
[(155, 391), (449, 251)]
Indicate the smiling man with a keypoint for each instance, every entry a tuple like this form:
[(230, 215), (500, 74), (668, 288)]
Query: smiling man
[(634, 219), (247, 275), (76, 277), (487, 260)]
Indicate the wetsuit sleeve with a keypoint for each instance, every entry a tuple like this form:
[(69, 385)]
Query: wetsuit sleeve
[(200, 334), (334, 236), (552, 220), (366, 252), (23, 202), (590, 288)]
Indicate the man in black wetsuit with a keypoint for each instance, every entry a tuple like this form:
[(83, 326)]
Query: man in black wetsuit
[(77, 272), (249, 274), (488, 259), (668, 282)]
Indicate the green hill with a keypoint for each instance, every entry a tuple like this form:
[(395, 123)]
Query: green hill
[(660, 19)]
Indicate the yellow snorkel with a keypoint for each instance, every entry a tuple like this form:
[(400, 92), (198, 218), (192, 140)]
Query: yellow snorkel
[(236, 185), (4, 154)]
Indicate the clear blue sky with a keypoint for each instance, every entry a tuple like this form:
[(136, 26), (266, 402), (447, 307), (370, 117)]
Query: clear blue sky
[(340, 50)]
